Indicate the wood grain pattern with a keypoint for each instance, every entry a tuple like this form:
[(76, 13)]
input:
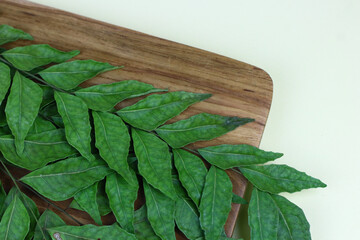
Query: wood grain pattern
[(238, 89)]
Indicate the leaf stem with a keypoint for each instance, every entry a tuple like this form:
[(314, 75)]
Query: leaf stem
[(35, 77)]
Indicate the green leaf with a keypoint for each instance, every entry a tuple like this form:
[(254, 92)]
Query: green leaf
[(75, 205), (159, 108), (48, 96), (102, 199), (29, 57), (279, 178), (186, 214), (89, 232), (86, 198), (192, 173), (10, 34), (2, 196), (292, 220), (122, 197), (113, 141), (69, 75), (215, 203), (263, 216), (238, 200), (154, 161), (15, 222), (201, 127), (41, 125), (229, 156), (75, 115), (29, 204), (104, 97), (3, 122), (22, 108), (39, 149), (143, 229), (5, 79), (160, 212), (47, 220), (66, 177)]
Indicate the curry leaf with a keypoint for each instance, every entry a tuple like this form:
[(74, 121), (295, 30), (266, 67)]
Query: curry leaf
[(159, 108), (142, 226), (104, 97), (29, 57), (160, 211), (86, 198), (29, 204), (41, 125), (203, 126), (39, 149), (122, 197), (15, 222), (48, 95), (5, 79), (66, 177), (229, 156), (22, 108), (10, 34), (154, 161), (237, 199), (102, 199), (192, 173), (113, 141), (89, 232), (292, 220), (69, 75), (75, 115), (47, 220), (263, 216), (186, 214), (279, 178), (215, 202)]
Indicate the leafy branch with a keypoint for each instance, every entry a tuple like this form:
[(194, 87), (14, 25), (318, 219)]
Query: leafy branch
[(77, 146)]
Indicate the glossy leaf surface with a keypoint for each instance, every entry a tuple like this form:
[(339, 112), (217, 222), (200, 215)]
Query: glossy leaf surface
[(89, 232), (66, 177), (15, 222), (186, 214), (86, 198), (39, 149), (5, 79), (75, 115), (104, 97), (112, 138), (279, 178), (159, 108), (215, 202), (263, 216), (229, 156), (22, 108), (192, 173), (10, 34), (69, 75), (47, 220), (160, 212), (142, 226), (29, 57), (201, 127), (122, 197), (154, 161)]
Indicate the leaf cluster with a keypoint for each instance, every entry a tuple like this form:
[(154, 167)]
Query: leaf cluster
[(77, 145)]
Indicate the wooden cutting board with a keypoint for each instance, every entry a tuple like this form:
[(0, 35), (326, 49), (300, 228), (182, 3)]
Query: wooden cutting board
[(238, 89)]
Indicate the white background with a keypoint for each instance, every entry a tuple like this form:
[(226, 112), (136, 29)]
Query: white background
[(311, 50)]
